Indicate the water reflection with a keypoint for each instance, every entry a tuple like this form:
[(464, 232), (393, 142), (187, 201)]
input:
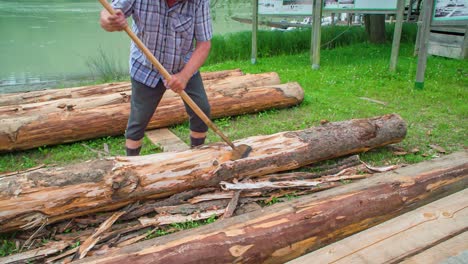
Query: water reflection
[(45, 42)]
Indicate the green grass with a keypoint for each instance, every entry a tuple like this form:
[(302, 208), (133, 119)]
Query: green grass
[(237, 46), (181, 226), (7, 244), (68, 153), (436, 114)]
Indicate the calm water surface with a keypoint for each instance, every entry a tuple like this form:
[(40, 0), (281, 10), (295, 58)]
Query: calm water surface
[(43, 43)]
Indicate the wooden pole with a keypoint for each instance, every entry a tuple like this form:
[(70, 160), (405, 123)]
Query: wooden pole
[(425, 31), (316, 34), (418, 36), (397, 35), (410, 10), (254, 30)]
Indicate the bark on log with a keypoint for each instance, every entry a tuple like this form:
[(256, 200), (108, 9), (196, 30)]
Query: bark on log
[(286, 231), (91, 90), (53, 194), (69, 126)]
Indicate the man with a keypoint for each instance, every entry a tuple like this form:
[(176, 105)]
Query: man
[(178, 33)]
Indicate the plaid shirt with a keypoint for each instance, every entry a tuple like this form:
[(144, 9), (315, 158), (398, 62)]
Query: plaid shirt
[(168, 32)]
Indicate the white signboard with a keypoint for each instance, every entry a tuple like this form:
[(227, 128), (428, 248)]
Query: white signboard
[(361, 4), (285, 7), (451, 10), (304, 7)]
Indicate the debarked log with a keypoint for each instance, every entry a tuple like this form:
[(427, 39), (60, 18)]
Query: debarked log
[(68, 126), (51, 194), (91, 90), (286, 231)]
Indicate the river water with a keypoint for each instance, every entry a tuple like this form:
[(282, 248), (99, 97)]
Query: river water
[(43, 43)]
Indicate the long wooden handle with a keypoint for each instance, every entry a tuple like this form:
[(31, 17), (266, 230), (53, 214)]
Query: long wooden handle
[(167, 76)]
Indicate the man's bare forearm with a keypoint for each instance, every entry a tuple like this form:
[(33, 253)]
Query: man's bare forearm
[(199, 56)]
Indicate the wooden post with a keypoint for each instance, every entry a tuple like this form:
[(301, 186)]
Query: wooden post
[(410, 10), (254, 30), (316, 33), (418, 36), (464, 54), (424, 39), (397, 35)]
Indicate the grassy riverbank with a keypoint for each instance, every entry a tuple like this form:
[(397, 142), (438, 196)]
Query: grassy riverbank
[(436, 115), (353, 82)]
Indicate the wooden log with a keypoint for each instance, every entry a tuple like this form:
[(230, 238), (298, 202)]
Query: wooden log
[(70, 126), (90, 90), (83, 99), (286, 231), (54, 194)]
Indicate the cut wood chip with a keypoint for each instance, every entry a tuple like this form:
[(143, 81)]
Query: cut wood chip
[(63, 255), (437, 148), (137, 238), (374, 101), (94, 238), (172, 219), (266, 184), (381, 169), (38, 253), (220, 195), (414, 150), (232, 205)]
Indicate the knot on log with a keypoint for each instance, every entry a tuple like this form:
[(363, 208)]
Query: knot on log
[(123, 184), (125, 97), (70, 107)]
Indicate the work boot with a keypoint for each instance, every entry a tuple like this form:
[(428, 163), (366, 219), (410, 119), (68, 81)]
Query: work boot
[(195, 142), (133, 152)]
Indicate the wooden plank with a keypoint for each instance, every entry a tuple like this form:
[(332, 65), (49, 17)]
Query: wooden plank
[(448, 251), (446, 51), (400, 237), (451, 29), (167, 140), (446, 39)]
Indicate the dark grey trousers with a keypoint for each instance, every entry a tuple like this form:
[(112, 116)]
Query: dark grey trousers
[(145, 100)]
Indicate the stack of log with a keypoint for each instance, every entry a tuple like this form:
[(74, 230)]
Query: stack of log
[(34, 119), (191, 185), (101, 211)]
